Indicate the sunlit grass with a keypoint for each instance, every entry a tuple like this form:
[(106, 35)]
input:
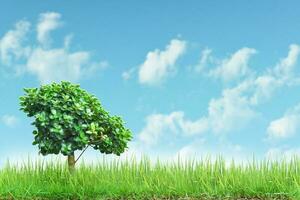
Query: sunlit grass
[(205, 178)]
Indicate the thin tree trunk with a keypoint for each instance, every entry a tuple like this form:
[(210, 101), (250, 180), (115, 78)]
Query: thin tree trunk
[(71, 162)]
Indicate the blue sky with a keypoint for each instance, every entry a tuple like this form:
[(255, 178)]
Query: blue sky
[(189, 78)]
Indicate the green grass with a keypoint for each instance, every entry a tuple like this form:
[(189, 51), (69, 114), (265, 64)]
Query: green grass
[(129, 179)]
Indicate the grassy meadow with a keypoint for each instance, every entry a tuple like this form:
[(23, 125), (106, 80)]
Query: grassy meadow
[(132, 179)]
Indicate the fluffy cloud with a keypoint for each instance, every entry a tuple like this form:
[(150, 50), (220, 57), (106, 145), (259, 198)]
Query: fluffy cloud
[(9, 120), (286, 126), (40, 59), (175, 123), (287, 65), (223, 113), (47, 22), (238, 102), (259, 87), (234, 67), (159, 64), (235, 104), (282, 74), (56, 64), (11, 47), (263, 87), (204, 60)]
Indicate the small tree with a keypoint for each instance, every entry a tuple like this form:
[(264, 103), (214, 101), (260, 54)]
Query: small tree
[(67, 118)]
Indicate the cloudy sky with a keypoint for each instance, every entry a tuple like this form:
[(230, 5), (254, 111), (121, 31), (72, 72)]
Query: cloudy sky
[(189, 78)]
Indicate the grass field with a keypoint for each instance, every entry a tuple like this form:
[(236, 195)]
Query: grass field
[(131, 179)]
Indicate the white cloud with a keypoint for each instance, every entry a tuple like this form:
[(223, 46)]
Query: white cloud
[(286, 126), (287, 65), (159, 64), (175, 123), (9, 120), (234, 67), (92, 68), (126, 75), (193, 127), (233, 106), (47, 22), (263, 88), (157, 124), (259, 87), (58, 64), (225, 111), (11, 43), (68, 40), (204, 60), (222, 117), (40, 59), (282, 74), (236, 104)]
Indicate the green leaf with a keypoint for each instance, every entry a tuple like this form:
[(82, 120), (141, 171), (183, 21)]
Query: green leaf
[(53, 111)]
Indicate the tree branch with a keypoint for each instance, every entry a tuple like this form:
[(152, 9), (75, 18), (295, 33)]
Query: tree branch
[(81, 153)]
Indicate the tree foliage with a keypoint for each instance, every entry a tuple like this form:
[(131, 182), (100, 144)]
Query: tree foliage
[(67, 118)]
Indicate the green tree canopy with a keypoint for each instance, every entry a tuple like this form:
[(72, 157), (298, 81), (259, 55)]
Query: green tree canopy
[(67, 118)]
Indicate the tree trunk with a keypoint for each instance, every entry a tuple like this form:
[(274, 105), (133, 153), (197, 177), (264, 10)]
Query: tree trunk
[(71, 162)]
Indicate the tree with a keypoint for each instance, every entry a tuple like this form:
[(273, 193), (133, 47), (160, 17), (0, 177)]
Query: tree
[(67, 118)]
